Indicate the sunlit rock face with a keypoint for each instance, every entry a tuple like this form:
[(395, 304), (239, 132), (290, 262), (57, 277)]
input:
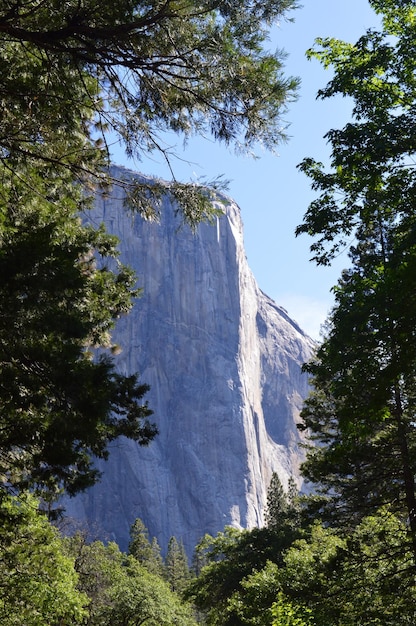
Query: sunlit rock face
[(224, 365)]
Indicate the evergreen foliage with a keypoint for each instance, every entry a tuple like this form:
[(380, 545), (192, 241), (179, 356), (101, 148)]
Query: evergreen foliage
[(156, 564), (70, 70), (146, 552), (59, 298), (283, 508), (276, 502), (87, 73), (75, 75), (48, 580), (139, 545), (177, 570), (147, 66), (122, 592)]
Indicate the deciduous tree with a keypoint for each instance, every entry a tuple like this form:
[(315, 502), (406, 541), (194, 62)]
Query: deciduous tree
[(121, 591), (362, 412), (228, 579), (38, 579), (359, 578)]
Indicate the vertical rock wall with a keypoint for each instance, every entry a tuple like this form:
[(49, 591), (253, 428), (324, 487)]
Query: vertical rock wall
[(224, 365)]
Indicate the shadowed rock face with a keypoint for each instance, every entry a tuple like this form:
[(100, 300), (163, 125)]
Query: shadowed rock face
[(224, 365)]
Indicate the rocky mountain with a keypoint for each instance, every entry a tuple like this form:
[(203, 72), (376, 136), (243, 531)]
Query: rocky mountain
[(224, 365)]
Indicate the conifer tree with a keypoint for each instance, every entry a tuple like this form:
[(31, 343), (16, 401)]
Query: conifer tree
[(139, 545), (72, 75), (283, 509), (156, 565), (122, 592), (146, 552), (176, 566), (276, 503), (138, 70)]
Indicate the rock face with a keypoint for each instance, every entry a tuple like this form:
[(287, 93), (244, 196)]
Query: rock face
[(224, 365)]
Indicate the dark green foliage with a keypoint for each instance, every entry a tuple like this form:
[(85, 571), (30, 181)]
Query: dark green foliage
[(228, 562), (145, 552), (323, 578), (236, 570), (276, 502), (177, 571), (71, 73), (139, 545), (359, 566), (138, 69), (361, 578), (252, 603), (156, 565), (362, 412), (59, 299), (283, 509)]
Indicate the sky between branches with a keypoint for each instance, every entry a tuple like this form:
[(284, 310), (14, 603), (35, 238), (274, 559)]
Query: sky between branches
[(272, 194)]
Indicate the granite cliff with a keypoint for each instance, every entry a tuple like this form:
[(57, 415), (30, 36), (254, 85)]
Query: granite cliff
[(224, 365)]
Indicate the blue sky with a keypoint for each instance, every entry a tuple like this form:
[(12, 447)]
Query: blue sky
[(272, 194)]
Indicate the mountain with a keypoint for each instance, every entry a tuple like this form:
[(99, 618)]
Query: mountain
[(224, 365)]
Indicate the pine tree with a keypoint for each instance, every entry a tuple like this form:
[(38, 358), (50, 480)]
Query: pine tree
[(146, 552), (276, 503), (184, 67), (139, 545), (283, 509), (70, 73), (156, 565), (176, 566)]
